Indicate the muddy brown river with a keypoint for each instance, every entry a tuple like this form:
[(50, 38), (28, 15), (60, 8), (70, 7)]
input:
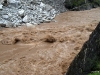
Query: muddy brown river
[(46, 49)]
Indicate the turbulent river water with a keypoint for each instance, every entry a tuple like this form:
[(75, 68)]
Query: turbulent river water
[(46, 49)]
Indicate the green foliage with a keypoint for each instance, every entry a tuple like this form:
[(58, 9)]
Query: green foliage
[(74, 3), (95, 73), (96, 69), (96, 2)]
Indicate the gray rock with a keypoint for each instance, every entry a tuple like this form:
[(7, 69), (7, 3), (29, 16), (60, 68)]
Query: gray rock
[(46, 21), (1, 1), (48, 7), (5, 16), (42, 4), (1, 6), (12, 1), (29, 25), (9, 14), (21, 12), (8, 24), (26, 19), (2, 24)]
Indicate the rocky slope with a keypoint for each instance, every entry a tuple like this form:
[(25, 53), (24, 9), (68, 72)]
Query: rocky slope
[(14, 13)]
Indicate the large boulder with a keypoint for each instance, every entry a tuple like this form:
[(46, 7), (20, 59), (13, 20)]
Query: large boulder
[(85, 61), (81, 4)]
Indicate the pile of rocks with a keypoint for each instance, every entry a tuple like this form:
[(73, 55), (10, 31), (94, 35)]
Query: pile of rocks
[(14, 13)]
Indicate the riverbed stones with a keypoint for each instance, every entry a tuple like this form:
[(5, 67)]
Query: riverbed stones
[(34, 12)]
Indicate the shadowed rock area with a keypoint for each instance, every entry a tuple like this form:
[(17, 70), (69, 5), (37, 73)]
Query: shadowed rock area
[(81, 4), (90, 52)]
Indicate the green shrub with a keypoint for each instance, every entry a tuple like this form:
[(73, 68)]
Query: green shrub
[(96, 2), (95, 73), (96, 68), (74, 3), (77, 2)]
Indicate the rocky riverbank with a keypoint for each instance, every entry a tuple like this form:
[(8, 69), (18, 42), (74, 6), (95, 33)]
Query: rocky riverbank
[(14, 13)]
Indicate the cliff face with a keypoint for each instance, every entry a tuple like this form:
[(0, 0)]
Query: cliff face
[(90, 52)]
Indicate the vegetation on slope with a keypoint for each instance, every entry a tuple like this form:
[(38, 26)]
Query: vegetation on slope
[(96, 69)]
